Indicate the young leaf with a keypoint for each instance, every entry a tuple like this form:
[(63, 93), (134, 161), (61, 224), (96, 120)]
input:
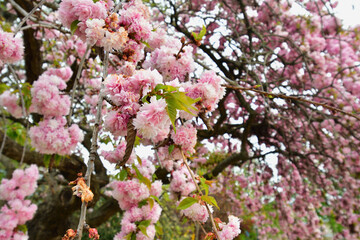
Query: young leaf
[(171, 148), (123, 174), (22, 228), (159, 229), (171, 110), (178, 100), (146, 44), (204, 186), (74, 26), (139, 160), (156, 199), (210, 200), (141, 178), (142, 203), (202, 33), (151, 202), (145, 223), (186, 203), (46, 160)]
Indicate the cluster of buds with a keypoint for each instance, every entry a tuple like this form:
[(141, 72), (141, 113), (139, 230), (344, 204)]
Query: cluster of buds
[(112, 23), (69, 235)]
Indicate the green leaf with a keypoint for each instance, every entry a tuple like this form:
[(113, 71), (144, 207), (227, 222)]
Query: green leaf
[(156, 199), (139, 160), (141, 178), (166, 88), (74, 26), (210, 200), (137, 141), (200, 35), (57, 159), (144, 99), (105, 139), (171, 110), (186, 203), (143, 230), (159, 229), (3, 87), (123, 174), (46, 160), (142, 203), (178, 100), (22, 228), (144, 223), (182, 101), (151, 202), (26, 91), (146, 44), (171, 148), (204, 186)]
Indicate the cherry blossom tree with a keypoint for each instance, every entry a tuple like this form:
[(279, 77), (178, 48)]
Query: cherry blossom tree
[(248, 109)]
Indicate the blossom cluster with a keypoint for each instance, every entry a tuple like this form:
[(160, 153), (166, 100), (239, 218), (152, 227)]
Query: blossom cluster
[(98, 26), (185, 137), (196, 212), (52, 136), (74, 10), (208, 88), (230, 230), (47, 99), (168, 63), (11, 48), (17, 210), (126, 92), (10, 102), (131, 195)]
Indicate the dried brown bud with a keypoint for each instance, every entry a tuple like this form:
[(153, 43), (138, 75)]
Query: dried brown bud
[(82, 190)]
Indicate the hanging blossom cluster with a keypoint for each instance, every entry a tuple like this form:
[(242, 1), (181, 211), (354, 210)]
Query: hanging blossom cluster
[(74, 10), (11, 48), (17, 210), (133, 197), (10, 102), (52, 136), (166, 60), (126, 93), (208, 88), (230, 230)]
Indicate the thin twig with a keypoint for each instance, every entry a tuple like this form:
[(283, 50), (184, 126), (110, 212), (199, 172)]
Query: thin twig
[(75, 83), (156, 154), (21, 10), (4, 138), (93, 149), (274, 95), (199, 190), (27, 16), (23, 107)]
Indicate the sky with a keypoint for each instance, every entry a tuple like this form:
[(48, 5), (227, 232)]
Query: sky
[(349, 12)]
